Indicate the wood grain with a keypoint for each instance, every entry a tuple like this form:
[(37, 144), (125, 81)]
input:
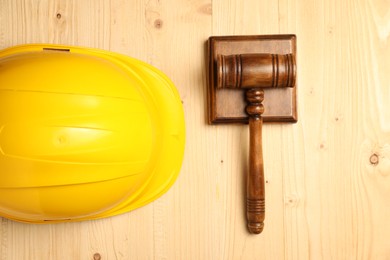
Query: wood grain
[(326, 177)]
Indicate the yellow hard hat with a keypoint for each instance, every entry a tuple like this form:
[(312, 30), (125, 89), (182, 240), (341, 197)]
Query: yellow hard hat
[(84, 133)]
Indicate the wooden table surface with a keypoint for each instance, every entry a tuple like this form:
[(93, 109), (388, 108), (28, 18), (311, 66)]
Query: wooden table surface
[(327, 177)]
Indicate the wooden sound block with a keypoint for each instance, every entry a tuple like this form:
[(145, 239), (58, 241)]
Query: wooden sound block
[(228, 105)]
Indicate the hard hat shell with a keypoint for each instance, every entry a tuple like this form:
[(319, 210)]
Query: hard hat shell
[(84, 133)]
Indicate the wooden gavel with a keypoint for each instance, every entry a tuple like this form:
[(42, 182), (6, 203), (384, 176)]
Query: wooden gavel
[(255, 72)]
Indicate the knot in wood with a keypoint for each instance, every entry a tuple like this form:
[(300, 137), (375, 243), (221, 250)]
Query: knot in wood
[(374, 159), (158, 23)]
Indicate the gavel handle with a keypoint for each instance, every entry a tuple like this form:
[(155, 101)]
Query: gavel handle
[(255, 179)]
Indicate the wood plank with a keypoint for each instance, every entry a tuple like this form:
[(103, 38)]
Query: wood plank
[(337, 210), (242, 18), (183, 225)]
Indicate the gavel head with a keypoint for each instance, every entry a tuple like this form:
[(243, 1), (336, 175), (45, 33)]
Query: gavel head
[(262, 70)]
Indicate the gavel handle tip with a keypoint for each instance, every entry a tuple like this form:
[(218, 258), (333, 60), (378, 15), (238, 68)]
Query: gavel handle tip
[(255, 228)]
